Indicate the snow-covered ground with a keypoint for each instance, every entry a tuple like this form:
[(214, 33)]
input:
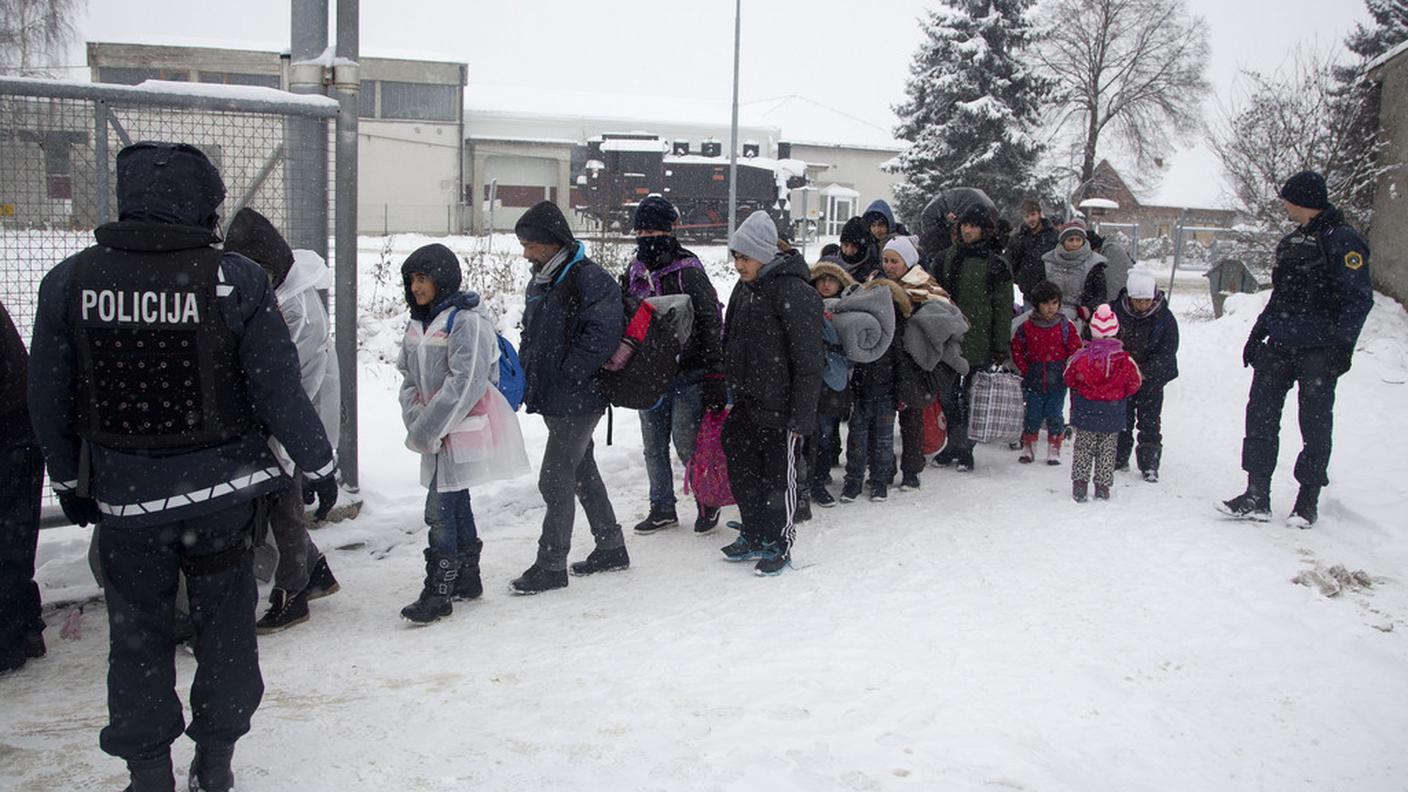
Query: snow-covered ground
[(982, 633)]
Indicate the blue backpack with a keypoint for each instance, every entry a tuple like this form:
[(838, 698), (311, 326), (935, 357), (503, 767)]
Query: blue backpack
[(511, 383), (837, 370)]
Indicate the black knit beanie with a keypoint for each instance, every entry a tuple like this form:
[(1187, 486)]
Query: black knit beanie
[(655, 214), (544, 224), (1306, 189), (854, 232)]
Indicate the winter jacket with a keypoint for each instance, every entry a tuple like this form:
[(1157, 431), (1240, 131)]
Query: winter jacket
[(1117, 266), (571, 327), (1041, 347), (1025, 251), (310, 331), (15, 427), (138, 489), (1080, 274), (773, 353), (979, 281), (1151, 338), (681, 273), (455, 418), (1320, 288), (1101, 376)]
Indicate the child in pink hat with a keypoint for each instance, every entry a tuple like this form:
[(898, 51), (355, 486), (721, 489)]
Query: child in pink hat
[(1101, 377)]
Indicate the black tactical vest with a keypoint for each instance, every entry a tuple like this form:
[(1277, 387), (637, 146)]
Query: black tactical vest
[(158, 368), (1301, 276)]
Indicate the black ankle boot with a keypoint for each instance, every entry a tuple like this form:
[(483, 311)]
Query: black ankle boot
[(151, 775), (210, 770), (1307, 508)]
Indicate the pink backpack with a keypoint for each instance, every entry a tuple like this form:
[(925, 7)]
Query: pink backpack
[(707, 473)]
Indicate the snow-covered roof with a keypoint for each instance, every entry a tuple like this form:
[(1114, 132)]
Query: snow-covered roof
[(631, 144), (1098, 203), (518, 100), (1387, 56), (809, 122), (219, 91)]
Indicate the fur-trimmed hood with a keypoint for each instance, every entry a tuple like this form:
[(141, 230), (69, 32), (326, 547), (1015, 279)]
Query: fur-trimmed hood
[(830, 269), (897, 293)]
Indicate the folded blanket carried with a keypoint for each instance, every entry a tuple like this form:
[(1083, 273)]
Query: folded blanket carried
[(934, 335), (865, 321)]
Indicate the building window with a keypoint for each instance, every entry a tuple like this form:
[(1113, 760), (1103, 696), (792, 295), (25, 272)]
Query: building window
[(131, 76), (418, 101), (366, 99), (235, 78)]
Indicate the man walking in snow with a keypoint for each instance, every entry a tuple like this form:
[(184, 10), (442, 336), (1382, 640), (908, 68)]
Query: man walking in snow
[(1320, 297), (160, 366)]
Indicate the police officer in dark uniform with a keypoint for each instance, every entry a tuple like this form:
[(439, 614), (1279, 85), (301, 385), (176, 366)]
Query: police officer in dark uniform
[(158, 368), (1320, 296)]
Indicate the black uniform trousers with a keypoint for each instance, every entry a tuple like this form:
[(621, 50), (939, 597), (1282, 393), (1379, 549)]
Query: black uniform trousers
[(1276, 369), (1145, 414), (141, 566), (764, 466), (22, 471)]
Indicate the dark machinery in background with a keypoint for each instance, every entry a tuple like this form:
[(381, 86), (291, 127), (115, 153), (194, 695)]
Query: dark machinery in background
[(622, 169)]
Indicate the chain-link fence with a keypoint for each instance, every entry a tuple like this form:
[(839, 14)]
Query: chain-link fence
[(58, 143)]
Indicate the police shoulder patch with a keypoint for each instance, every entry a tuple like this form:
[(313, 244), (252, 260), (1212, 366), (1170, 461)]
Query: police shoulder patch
[(1354, 259)]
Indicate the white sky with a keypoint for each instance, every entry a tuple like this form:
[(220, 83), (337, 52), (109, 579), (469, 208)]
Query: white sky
[(848, 55)]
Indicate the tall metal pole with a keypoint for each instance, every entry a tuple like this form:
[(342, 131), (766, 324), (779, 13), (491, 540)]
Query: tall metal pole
[(346, 84), (733, 142), (307, 183)]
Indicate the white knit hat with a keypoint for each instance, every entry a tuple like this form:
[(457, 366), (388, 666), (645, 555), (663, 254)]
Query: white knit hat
[(905, 248), (1140, 284), (1104, 324)]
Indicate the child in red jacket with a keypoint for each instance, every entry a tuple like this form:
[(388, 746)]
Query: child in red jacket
[(1041, 344), (1103, 376)]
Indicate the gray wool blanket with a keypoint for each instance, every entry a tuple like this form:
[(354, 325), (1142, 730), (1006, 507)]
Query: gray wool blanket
[(865, 322), (934, 335)]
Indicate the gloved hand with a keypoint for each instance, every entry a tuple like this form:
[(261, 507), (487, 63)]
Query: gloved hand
[(79, 510), (1252, 350), (1084, 313), (715, 396), (324, 490), (1340, 359)]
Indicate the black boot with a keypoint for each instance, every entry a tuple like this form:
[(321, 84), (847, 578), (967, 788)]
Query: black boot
[(659, 519), (285, 611), (151, 775), (600, 560), (468, 584), (434, 601), (210, 769), (321, 583), (1307, 508), (1148, 457), (803, 511), (1254, 504)]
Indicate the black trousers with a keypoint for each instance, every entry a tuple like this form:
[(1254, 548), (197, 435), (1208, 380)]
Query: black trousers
[(141, 567), (22, 471), (911, 440), (763, 470), (1145, 415), (1276, 370)]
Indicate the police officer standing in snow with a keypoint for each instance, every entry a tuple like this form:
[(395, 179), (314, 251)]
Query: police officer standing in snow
[(159, 367), (1320, 296)]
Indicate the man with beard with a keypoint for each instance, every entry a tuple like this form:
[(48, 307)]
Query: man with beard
[(1029, 243)]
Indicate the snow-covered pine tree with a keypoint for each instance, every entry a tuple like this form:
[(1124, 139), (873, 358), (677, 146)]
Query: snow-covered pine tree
[(971, 107), (1356, 108)]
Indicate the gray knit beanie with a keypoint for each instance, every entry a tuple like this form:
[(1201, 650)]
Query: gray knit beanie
[(756, 238)]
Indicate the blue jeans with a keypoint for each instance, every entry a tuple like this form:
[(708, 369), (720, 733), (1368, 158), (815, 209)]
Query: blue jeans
[(677, 415), (871, 435), (828, 447), (1045, 406), (451, 521)]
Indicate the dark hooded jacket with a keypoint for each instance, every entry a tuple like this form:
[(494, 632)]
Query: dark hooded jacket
[(571, 327), (254, 237), (14, 365), (1151, 338), (979, 282), (879, 209), (168, 195), (1025, 251), (443, 267), (773, 352), (935, 231), (704, 354)]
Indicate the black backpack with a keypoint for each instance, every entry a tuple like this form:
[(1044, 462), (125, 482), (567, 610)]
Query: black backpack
[(645, 362)]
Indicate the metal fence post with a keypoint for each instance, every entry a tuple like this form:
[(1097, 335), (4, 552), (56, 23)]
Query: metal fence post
[(100, 162), (345, 88)]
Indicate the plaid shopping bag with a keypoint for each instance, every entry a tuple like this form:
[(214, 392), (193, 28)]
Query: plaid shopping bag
[(996, 411)]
